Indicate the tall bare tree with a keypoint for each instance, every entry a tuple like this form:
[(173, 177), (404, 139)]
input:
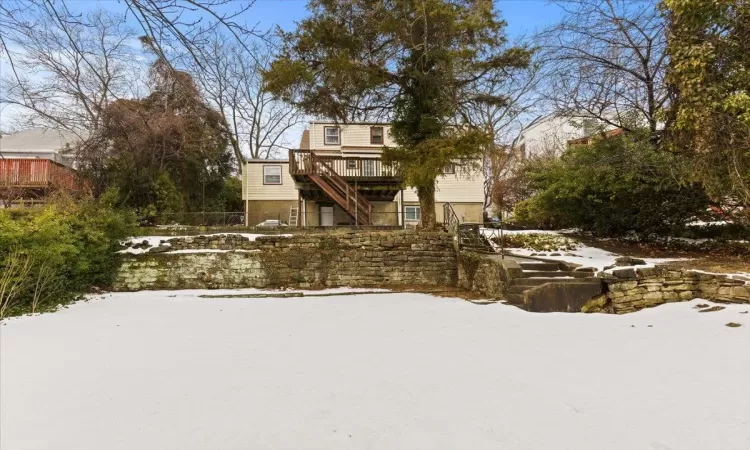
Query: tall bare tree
[(504, 121), (231, 79), (63, 74), (608, 61)]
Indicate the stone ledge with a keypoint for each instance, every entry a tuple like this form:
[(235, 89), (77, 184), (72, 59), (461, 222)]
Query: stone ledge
[(648, 287)]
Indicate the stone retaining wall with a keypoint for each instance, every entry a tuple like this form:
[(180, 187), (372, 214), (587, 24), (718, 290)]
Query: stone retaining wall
[(630, 290), (354, 259), (482, 274)]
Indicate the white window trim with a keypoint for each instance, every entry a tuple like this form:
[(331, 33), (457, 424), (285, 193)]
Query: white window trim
[(281, 175), (382, 135), (325, 136), (416, 210)]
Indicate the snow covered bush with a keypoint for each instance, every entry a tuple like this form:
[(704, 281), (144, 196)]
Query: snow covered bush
[(611, 187), (50, 255)]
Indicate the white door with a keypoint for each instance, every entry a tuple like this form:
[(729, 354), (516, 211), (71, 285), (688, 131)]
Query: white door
[(326, 216)]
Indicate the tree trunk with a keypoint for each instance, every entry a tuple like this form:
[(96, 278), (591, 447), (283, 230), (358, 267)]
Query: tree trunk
[(427, 205)]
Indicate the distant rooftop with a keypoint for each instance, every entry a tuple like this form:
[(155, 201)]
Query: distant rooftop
[(37, 140)]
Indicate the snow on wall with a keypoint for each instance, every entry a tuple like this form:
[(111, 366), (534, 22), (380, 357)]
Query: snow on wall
[(302, 261)]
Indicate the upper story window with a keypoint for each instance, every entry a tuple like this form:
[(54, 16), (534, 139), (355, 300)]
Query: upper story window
[(332, 135), (376, 135), (449, 168), (271, 174)]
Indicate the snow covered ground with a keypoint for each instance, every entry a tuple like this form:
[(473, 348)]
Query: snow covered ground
[(170, 370), (583, 254)]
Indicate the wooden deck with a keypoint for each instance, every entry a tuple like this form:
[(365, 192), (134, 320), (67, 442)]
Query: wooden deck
[(367, 170), (35, 174)]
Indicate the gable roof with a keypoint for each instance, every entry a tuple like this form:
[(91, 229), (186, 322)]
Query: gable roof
[(37, 140)]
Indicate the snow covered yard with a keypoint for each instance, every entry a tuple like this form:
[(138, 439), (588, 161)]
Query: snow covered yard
[(170, 370)]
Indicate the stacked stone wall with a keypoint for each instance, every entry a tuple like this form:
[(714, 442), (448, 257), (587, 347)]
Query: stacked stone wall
[(630, 290), (354, 259)]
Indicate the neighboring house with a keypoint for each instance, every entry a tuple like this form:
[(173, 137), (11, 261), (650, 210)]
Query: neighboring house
[(550, 135), (32, 162), (590, 139), (38, 143), (336, 177)]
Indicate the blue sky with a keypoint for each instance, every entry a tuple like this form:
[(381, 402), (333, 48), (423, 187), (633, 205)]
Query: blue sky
[(522, 15)]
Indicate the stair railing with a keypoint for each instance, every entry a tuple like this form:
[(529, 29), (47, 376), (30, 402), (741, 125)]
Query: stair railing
[(450, 219), (355, 203)]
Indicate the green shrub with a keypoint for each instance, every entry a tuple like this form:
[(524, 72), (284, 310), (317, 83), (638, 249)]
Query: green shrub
[(612, 187), (51, 255)]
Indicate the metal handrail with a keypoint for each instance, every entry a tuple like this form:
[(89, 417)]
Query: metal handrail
[(450, 219)]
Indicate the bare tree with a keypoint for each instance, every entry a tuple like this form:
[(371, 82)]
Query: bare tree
[(607, 62), (231, 78), (523, 105), (62, 85), (182, 26)]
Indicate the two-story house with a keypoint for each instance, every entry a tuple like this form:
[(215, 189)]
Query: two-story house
[(337, 177)]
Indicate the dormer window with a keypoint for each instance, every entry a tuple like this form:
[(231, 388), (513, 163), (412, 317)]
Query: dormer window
[(376, 135), (332, 135)]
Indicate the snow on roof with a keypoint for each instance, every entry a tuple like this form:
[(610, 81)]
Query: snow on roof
[(37, 140)]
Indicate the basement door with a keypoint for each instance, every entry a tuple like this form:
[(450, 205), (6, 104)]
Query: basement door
[(326, 216)]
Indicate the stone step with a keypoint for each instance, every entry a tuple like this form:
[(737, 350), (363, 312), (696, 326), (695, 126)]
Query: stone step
[(539, 266), (540, 281), (517, 289), (545, 274), (514, 299)]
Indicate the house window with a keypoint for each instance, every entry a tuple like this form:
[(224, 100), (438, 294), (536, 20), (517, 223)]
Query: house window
[(449, 168), (332, 136), (376, 135), (413, 213), (351, 163), (271, 174)]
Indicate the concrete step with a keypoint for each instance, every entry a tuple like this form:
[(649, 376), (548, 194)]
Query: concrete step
[(517, 289), (546, 274), (514, 299), (539, 266), (558, 274), (544, 280), (562, 297)]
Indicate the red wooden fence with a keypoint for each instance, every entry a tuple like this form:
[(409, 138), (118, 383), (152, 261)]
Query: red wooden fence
[(36, 173)]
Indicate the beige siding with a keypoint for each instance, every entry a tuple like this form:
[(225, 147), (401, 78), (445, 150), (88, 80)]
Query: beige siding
[(469, 212), (352, 137), (254, 189), (459, 188)]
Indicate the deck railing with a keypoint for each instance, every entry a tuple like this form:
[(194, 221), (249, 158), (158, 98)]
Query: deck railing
[(35, 173), (363, 169)]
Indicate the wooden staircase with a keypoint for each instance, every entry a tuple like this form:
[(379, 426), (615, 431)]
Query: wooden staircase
[(340, 191)]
